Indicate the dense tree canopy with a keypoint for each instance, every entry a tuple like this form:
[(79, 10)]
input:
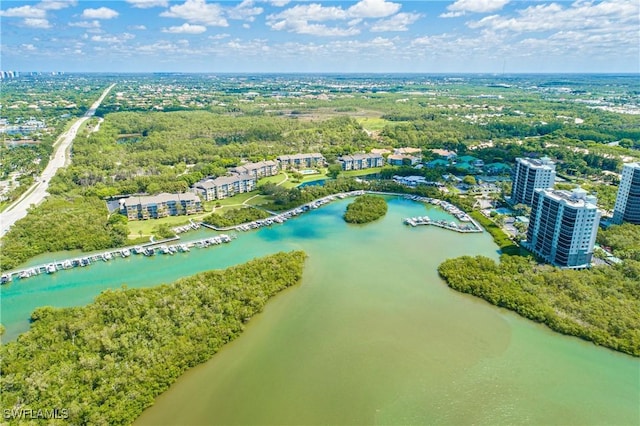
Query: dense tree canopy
[(623, 239), (106, 362), (63, 224), (365, 209), (236, 217)]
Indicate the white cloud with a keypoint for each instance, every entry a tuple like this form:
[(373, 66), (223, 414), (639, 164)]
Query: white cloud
[(245, 10), (306, 18), (219, 36), (85, 24), (397, 22), (136, 27), (36, 23), (24, 12), (29, 47), (56, 4), (99, 13), (185, 29), (552, 17), (112, 39), (461, 7), (373, 9), (199, 12), (36, 16), (146, 4), (278, 3), (309, 12)]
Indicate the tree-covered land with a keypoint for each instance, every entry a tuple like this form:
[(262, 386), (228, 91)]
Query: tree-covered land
[(154, 140), (235, 217), (62, 223), (601, 304), (106, 362), (623, 239), (52, 102), (365, 209)]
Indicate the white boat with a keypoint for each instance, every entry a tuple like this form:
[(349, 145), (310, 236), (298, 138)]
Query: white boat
[(126, 252), (138, 250), (6, 278), (51, 268), (67, 264), (107, 256)]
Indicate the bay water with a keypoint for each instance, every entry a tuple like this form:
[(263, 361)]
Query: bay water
[(372, 335)]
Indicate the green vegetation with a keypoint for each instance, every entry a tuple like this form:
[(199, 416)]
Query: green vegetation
[(623, 239), (106, 362), (63, 224), (235, 217), (163, 231), (506, 244), (207, 125), (365, 209), (601, 304), (146, 228)]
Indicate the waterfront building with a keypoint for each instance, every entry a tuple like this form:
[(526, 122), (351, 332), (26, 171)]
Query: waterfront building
[(360, 161), (414, 181), (301, 161), (161, 205), (529, 175), (257, 170), (225, 186), (627, 207), (563, 227)]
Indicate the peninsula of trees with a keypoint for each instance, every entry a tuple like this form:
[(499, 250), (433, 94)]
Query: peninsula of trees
[(601, 304), (106, 362), (365, 209)]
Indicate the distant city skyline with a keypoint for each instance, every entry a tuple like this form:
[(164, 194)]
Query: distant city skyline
[(266, 36)]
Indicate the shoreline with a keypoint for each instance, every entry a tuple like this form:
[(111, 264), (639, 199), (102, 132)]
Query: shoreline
[(276, 218)]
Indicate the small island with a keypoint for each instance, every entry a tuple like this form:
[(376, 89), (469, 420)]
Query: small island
[(365, 209)]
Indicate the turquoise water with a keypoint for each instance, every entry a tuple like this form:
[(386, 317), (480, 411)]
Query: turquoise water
[(371, 336), (319, 182)]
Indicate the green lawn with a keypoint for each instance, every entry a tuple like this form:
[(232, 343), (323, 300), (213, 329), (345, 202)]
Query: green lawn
[(143, 228), (308, 178), (373, 123), (236, 199), (259, 200), (354, 173), (272, 179)]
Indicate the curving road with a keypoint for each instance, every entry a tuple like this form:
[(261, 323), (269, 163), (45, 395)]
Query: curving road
[(38, 191)]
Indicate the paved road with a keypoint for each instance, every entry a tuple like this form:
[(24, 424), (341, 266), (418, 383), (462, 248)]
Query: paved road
[(38, 191)]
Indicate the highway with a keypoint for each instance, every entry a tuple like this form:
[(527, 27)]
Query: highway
[(61, 156)]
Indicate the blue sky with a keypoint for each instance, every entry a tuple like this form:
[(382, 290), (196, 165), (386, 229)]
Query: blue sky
[(488, 36)]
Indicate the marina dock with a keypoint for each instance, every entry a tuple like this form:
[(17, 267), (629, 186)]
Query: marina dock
[(148, 249), (469, 226), (163, 248)]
